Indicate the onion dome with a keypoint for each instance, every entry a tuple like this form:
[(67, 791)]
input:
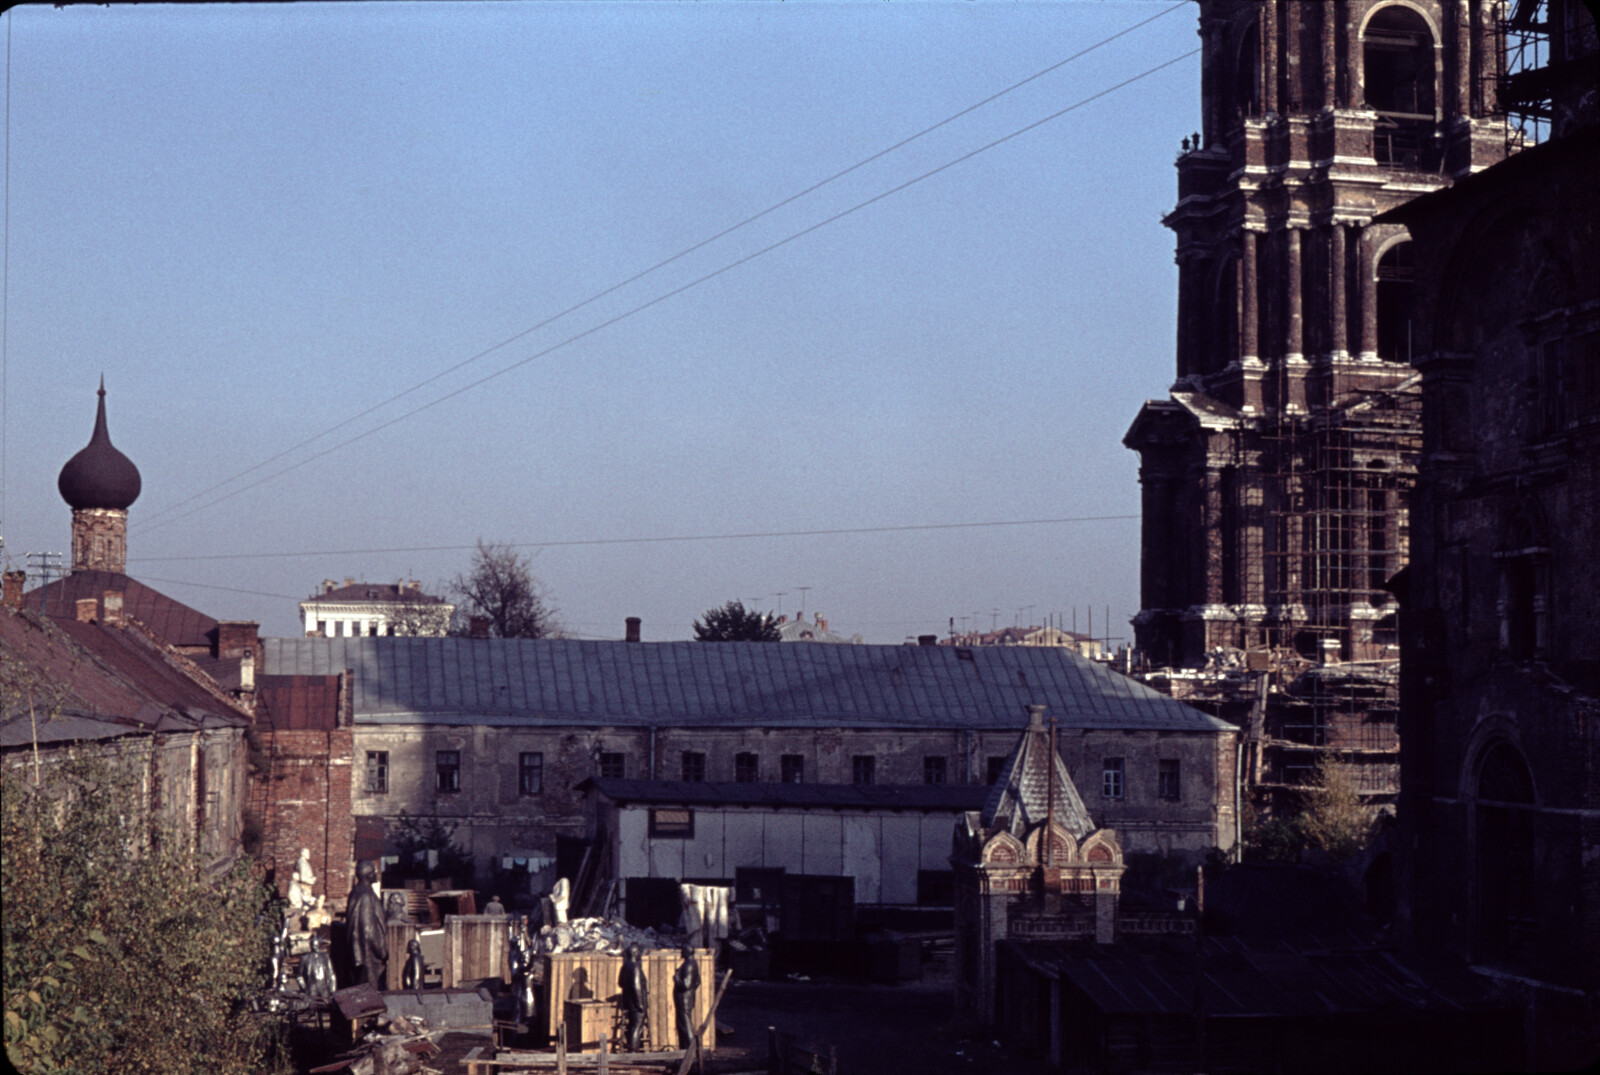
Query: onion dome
[(99, 476)]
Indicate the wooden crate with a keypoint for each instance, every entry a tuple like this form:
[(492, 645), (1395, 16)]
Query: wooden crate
[(599, 978), (475, 948)]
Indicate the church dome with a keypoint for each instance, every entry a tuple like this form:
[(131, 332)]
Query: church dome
[(99, 476)]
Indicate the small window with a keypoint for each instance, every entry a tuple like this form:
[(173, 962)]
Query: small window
[(611, 765), (322, 629), (746, 768), (530, 773), (377, 772), (996, 769), (694, 766), (863, 769), (447, 771), (793, 768), (935, 769), (672, 822), (1167, 785), (1111, 778), (372, 629)]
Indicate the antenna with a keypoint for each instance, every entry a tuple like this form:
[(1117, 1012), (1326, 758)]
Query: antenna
[(780, 595), (802, 590), (41, 565)]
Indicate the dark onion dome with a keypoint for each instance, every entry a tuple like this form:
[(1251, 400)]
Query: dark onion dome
[(99, 476)]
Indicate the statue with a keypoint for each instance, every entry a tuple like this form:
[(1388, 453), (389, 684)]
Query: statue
[(300, 883), (635, 995), (394, 907), (494, 906), (685, 987), (280, 955), (318, 915), (415, 970), (316, 972), (369, 944), (560, 896)]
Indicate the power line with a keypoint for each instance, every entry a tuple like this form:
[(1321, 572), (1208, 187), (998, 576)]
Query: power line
[(225, 589), (685, 287), (640, 540), (658, 265)]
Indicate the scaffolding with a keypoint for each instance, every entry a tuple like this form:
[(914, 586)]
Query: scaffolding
[(1523, 83)]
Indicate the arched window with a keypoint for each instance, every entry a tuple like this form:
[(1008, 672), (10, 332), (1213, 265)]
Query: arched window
[(1504, 855), (1247, 74), (1225, 313), (1398, 81), (1396, 294)]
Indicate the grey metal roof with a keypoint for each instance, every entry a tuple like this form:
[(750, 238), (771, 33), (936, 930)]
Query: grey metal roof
[(952, 797), (709, 684)]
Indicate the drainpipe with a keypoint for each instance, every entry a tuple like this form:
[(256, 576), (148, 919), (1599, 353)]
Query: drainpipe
[(652, 769)]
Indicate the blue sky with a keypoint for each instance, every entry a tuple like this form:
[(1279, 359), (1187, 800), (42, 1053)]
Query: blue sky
[(259, 221)]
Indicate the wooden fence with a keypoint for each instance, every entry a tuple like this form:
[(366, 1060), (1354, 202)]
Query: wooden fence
[(586, 975), (476, 947)]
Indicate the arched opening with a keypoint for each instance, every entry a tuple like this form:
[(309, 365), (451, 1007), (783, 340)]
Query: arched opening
[(1247, 74), (1398, 83), (1504, 855), (1396, 275)]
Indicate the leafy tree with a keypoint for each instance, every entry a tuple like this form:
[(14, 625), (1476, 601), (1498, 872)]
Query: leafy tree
[(122, 951), (732, 622), (501, 588), (1332, 817)]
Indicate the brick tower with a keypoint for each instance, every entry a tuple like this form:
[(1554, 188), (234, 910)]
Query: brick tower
[(99, 483), (1273, 475)]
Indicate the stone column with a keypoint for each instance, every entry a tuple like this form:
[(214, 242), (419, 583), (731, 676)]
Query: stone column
[(1338, 312), (1367, 289), (1463, 87), (1249, 319), (1269, 56), (1293, 321), (1330, 55), (1488, 52), (1214, 538), (1354, 95)]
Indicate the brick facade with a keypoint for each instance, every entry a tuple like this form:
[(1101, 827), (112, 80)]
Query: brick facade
[(100, 540)]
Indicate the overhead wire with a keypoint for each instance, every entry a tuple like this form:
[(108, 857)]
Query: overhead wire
[(151, 520), (640, 308), (831, 532)]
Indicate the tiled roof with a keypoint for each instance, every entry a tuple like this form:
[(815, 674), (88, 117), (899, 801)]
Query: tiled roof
[(566, 681), (952, 797), (1032, 789), (297, 703), (364, 592), (85, 681), (171, 621)]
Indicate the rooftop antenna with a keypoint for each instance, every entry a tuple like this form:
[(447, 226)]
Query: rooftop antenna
[(994, 619), (802, 590), (780, 595), (42, 565)]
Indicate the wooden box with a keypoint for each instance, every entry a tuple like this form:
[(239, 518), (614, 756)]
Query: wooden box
[(586, 1021), (593, 976)]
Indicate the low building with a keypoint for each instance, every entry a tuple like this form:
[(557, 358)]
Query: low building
[(798, 630), (374, 608), (492, 736)]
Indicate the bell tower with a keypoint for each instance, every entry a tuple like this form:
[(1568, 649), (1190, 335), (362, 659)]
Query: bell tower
[(99, 483), (1272, 474)]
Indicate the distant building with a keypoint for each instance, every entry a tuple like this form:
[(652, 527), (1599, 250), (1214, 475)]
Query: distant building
[(1081, 644), (798, 630), (374, 608)]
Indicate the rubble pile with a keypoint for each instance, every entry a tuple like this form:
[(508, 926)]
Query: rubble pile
[(399, 1048), (603, 935)]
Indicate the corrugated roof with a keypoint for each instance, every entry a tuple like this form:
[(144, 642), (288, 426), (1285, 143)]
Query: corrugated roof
[(563, 681), (171, 621), (955, 798)]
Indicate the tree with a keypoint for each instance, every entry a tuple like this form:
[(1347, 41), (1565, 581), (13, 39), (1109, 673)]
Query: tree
[(122, 952), (1332, 817), (501, 588), (732, 622)]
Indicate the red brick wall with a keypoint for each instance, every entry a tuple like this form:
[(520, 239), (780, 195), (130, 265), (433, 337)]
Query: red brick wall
[(305, 802)]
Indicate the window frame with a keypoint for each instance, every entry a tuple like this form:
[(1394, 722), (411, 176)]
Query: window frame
[(446, 772), (747, 767), (864, 769), (377, 772), (935, 770), (671, 829), (694, 767), (1113, 778), (792, 768), (1169, 780), (612, 765), (524, 769)]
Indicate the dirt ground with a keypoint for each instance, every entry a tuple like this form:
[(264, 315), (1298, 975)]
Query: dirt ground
[(904, 1029)]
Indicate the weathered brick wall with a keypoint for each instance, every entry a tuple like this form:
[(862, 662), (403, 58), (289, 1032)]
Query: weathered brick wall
[(306, 804)]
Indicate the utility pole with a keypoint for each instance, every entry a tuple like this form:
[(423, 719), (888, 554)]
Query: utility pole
[(42, 566)]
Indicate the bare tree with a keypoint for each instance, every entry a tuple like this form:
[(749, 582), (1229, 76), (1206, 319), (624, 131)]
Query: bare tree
[(418, 614), (502, 589)]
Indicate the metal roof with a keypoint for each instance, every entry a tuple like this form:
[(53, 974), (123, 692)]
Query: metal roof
[(956, 798), (683, 684), (171, 621)]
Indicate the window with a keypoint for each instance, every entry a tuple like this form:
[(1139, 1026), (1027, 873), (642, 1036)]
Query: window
[(935, 769), (746, 768), (1111, 778), (530, 774), (996, 769), (672, 822), (322, 628), (1167, 785), (377, 772), (794, 768), (863, 769), (447, 770), (694, 766), (611, 766)]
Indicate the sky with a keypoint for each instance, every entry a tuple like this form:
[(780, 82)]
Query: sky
[(293, 237)]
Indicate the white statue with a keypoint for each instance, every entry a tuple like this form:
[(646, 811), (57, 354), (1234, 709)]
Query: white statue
[(318, 915), (300, 882), (560, 896)]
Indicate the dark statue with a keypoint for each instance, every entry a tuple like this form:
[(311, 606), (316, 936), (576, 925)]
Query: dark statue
[(415, 970), (685, 986), (369, 942), (635, 995), (316, 972)]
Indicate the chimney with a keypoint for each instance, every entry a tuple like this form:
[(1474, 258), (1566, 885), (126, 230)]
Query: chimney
[(328, 586), (87, 607), (14, 581), (111, 608), (822, 624), (235, 638), (478, 627), (631, 629), (1035, 716), (927, 640), (349, 582)]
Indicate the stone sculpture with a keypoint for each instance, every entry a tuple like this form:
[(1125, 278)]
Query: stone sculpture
[(635, 995), (369, 943), (416, 970), (685, 987)]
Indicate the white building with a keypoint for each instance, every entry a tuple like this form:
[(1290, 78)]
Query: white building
[(374, 608)]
